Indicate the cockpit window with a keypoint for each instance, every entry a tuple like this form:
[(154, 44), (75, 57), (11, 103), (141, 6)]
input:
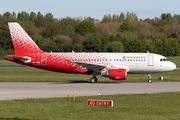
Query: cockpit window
[(163, 59)]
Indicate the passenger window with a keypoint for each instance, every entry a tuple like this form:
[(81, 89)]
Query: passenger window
[(94, 59), (122, 59), (114, 60), (102, 59), (161, 60), (53, 59), (106, 59), (119, 59)]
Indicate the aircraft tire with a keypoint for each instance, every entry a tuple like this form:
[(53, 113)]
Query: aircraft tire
[(149, 81), (93, 80)]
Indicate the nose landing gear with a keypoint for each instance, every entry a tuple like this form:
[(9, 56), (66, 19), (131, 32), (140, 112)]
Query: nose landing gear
[(149, 78)]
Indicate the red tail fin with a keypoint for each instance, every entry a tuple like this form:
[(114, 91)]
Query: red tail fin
[(21, 41)]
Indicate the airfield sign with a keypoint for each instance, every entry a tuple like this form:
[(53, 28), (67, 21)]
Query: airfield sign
[(100, 103)]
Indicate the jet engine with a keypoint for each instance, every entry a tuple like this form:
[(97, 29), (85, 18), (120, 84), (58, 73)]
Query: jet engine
[(115, 74)]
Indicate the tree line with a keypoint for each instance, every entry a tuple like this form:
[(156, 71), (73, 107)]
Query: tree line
[(116, 33)]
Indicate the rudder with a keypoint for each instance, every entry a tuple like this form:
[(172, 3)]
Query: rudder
[(22, 42)]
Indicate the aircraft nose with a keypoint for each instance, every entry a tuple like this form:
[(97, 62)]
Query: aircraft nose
[(173, 66)]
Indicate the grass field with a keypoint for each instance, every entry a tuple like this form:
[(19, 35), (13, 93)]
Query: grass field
[(175, 59), (158, 106), (24, 74)]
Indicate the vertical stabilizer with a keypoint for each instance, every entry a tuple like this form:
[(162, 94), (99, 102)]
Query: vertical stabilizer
[(21, 40)]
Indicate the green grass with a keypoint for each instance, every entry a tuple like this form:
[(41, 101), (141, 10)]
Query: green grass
[(24, 74), (175, 59), (8, 63), (158, 106)]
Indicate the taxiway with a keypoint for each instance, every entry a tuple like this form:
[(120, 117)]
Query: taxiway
[(25, 90)]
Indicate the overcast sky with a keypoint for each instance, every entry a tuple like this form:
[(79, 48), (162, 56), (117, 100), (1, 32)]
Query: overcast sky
[(92, 8)]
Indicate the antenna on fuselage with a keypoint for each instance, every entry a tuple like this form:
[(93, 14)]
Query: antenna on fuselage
[(72, 51), (148, 52)]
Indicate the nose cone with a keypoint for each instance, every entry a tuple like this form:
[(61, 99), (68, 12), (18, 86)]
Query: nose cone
[(172, 66)]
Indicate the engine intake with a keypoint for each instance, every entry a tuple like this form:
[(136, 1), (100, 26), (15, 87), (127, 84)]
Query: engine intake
[(115, 74)]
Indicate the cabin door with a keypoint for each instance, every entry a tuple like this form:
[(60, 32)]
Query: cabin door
[(44, 60), (150, 60)]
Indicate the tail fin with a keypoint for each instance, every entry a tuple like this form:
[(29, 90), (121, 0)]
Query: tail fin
[(21, 41)]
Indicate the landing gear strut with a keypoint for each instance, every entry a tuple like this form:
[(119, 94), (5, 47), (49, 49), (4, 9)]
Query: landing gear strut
[(149, 78), (94, 79)]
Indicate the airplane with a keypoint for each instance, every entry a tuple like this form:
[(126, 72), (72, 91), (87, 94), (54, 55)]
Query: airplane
[(116, 66)]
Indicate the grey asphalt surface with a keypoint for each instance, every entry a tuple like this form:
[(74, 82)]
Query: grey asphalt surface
[(24, 90)]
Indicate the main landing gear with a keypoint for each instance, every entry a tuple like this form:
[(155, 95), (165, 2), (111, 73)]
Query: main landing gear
[(149, 78), (94, 79)]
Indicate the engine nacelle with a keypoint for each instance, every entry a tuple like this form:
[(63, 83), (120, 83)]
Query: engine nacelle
[(115, 74)]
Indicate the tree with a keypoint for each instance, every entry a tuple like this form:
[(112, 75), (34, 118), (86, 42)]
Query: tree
[(33, 17), (126, 27), (159, 36), (23, 16), (53, 29), (13, 15), (85, 27), (62, 39), (7, 14), (105, 19), (128, 17), (114, 18), (121, 18), (93, 44), (172, 47), (79, 39), (115, 46)]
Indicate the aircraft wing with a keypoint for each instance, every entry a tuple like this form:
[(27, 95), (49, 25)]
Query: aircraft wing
[(22, 58), (98, 68), (89, 66)]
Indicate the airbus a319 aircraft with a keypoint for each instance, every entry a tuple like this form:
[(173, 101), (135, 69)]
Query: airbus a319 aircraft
[(116, 66)]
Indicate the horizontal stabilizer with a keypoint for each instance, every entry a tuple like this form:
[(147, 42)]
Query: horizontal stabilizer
[(23, 59)]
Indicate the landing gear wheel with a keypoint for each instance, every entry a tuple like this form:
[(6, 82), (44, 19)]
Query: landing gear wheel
[(149, 78), (93, 80), (149, 81)]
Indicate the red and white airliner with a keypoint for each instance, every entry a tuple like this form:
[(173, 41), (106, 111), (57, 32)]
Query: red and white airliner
[(112, 65)]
